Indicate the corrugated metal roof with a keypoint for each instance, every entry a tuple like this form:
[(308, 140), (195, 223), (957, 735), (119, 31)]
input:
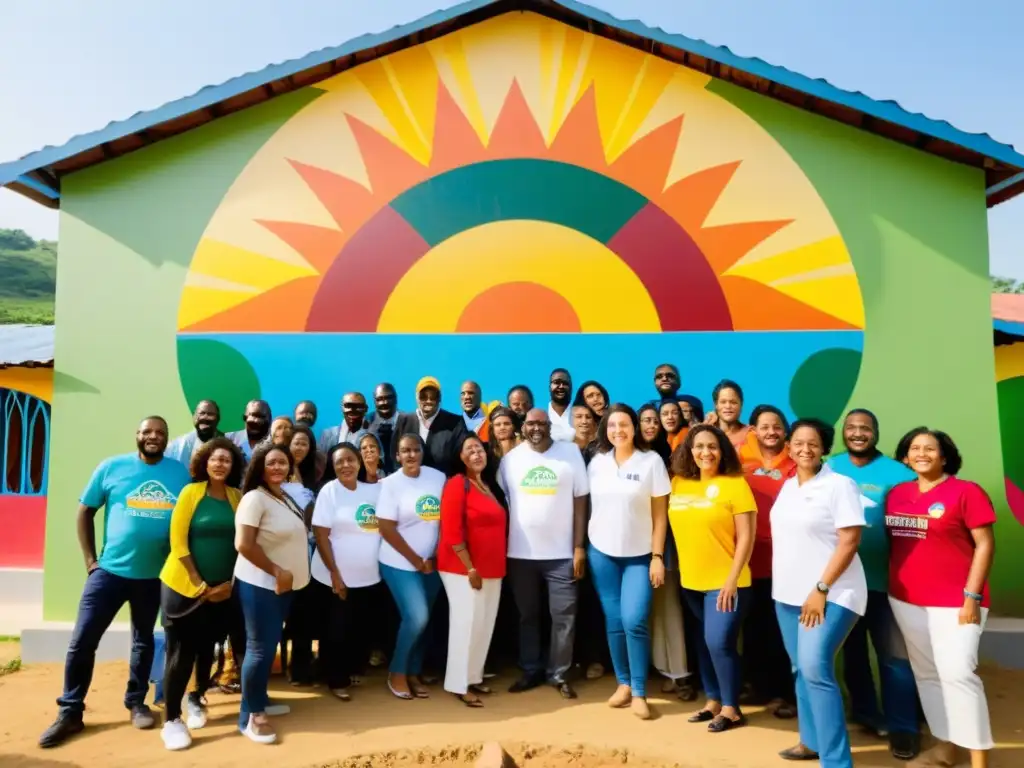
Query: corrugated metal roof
[(43, 185), (26, 345)]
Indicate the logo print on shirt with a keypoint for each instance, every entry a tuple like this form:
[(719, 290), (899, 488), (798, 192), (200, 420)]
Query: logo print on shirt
[(366, 518), (428, 508), (540, 481), (712, 492), (151, 499), (937, 510)]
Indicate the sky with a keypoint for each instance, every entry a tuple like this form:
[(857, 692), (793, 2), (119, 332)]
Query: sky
[(70, 67)]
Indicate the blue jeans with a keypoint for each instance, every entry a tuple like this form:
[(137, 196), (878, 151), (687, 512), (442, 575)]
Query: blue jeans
[(899, 691), (156, 673), (414, 594), (103, 596), (721, 672), (819, 701), (264, 612), (624, 587)]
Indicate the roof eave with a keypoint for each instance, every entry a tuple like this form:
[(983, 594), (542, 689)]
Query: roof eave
[(37, 175)]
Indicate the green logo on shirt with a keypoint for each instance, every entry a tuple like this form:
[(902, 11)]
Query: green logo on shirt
[(540, 481), (428, 508), (366, 518), (151, 499)]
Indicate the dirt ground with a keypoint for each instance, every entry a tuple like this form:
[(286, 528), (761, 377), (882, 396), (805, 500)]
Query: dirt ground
[(376, 730)]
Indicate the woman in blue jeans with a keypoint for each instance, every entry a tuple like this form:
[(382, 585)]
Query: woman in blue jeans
[(711, 511), (819, 588), (409, 518), (273, 561), (629, 490)]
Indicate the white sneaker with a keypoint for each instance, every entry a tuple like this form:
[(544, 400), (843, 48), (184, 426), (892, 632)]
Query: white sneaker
[(276, 710), (267, 738), (197, 715), (175, 735)]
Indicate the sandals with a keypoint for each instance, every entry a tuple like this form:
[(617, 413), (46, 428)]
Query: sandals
[(799, 752), (703, 716), (419, 691), (403, 695), (480, 690), (473, 703), (721, 723)]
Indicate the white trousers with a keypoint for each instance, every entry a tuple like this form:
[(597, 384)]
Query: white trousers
[(944, 656), (668, 641), (471, 617)]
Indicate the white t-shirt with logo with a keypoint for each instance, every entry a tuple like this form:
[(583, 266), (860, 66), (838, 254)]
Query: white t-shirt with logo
[(621, 524), (415, 504), (351, 517), (805, 520), (540, 489)]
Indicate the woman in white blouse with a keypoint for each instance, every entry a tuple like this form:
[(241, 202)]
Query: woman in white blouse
[(819, 587), (345, 568), (270, 536), (629, 490), (409, 516)]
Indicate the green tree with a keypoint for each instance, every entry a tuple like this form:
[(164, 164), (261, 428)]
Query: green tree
[(28, 278), (1006, 285)]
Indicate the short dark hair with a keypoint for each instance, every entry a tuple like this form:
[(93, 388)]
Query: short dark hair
[(950, 453), (257, 464), (201, 457), (826, 432), (559, 370), (161, 419), (671, 366), (330, 474), (406, 436), (683, 464), (726, 384), (761, 410), (864, 412), (520, 388), (604, 444)]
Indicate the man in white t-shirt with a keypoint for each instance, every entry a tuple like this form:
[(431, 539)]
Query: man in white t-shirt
[(560, 407), (547, 488)]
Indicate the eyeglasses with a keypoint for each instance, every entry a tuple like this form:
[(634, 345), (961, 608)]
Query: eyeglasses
[(353, 406)]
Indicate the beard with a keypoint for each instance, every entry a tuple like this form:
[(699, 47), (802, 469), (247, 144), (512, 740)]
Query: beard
[(141, 445), (560, 399), (206, 431)]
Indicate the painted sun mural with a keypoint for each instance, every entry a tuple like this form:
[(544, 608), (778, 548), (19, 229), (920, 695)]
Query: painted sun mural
[(513, 197)]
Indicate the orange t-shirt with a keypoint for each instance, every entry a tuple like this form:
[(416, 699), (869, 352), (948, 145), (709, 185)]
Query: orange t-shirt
[(765, 479)]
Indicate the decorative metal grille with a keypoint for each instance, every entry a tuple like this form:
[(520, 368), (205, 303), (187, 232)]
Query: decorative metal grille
[(25, 431)]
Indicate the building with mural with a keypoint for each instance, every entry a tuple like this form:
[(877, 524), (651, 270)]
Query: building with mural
[(490, 193)]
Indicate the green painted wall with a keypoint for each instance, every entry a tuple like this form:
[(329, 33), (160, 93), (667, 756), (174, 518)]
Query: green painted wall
[(128, 229)]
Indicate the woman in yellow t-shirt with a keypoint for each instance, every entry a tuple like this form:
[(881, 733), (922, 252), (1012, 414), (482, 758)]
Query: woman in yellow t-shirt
[(712, 514)]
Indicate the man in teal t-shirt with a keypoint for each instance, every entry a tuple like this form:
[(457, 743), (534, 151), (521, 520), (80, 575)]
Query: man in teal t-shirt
[(875, 475), (137, 491)]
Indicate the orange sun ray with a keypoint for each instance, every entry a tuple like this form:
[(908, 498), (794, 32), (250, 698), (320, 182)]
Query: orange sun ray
[(318, 245), (516, 132), (725, 245), (455, 142), (348, 201), (578, 140), (390, 168), (690, 200), (645, 165)]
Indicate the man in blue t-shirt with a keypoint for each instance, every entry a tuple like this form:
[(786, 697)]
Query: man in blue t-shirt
[(137, 491), (875, 475)]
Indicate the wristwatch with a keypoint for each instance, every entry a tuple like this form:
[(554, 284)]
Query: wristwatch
[(822, 587)]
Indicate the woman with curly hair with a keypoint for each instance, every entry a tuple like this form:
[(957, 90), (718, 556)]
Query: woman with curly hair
[(711, 512), (941, 552), (196, 582)]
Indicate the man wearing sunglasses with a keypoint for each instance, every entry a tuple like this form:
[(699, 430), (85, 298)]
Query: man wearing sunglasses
[(353, 424)]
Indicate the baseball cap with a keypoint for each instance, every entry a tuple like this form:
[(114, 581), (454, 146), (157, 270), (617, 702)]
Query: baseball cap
[(427, 381)]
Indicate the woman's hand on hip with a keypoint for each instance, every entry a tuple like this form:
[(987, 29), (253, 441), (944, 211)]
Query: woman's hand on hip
[(812, 612)]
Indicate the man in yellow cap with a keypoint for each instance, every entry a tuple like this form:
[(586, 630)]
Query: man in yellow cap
[(440, 430)]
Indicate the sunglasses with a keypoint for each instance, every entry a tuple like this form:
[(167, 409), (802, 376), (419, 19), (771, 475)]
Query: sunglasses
[(353, 406)]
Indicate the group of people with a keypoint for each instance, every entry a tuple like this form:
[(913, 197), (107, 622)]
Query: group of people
[(694, 535)]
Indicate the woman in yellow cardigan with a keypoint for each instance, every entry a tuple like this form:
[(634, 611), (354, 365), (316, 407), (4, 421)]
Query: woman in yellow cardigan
[(194, 595)]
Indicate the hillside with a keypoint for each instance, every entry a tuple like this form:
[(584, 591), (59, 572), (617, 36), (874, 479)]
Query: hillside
[(28, 278)]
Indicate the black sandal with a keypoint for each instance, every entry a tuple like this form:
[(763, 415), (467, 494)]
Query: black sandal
[(799, 752), (471, 703), (785, 712), (721, 723), (701, 717), (687, 692)]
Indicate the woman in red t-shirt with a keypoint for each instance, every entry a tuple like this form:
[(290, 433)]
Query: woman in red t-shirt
[(471, 561), (940, 532)]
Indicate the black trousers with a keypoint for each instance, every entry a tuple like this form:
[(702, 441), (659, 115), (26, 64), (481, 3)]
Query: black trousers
[(766, 665), (190, 641), (304, 625), (591, 644), (347, 640)]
